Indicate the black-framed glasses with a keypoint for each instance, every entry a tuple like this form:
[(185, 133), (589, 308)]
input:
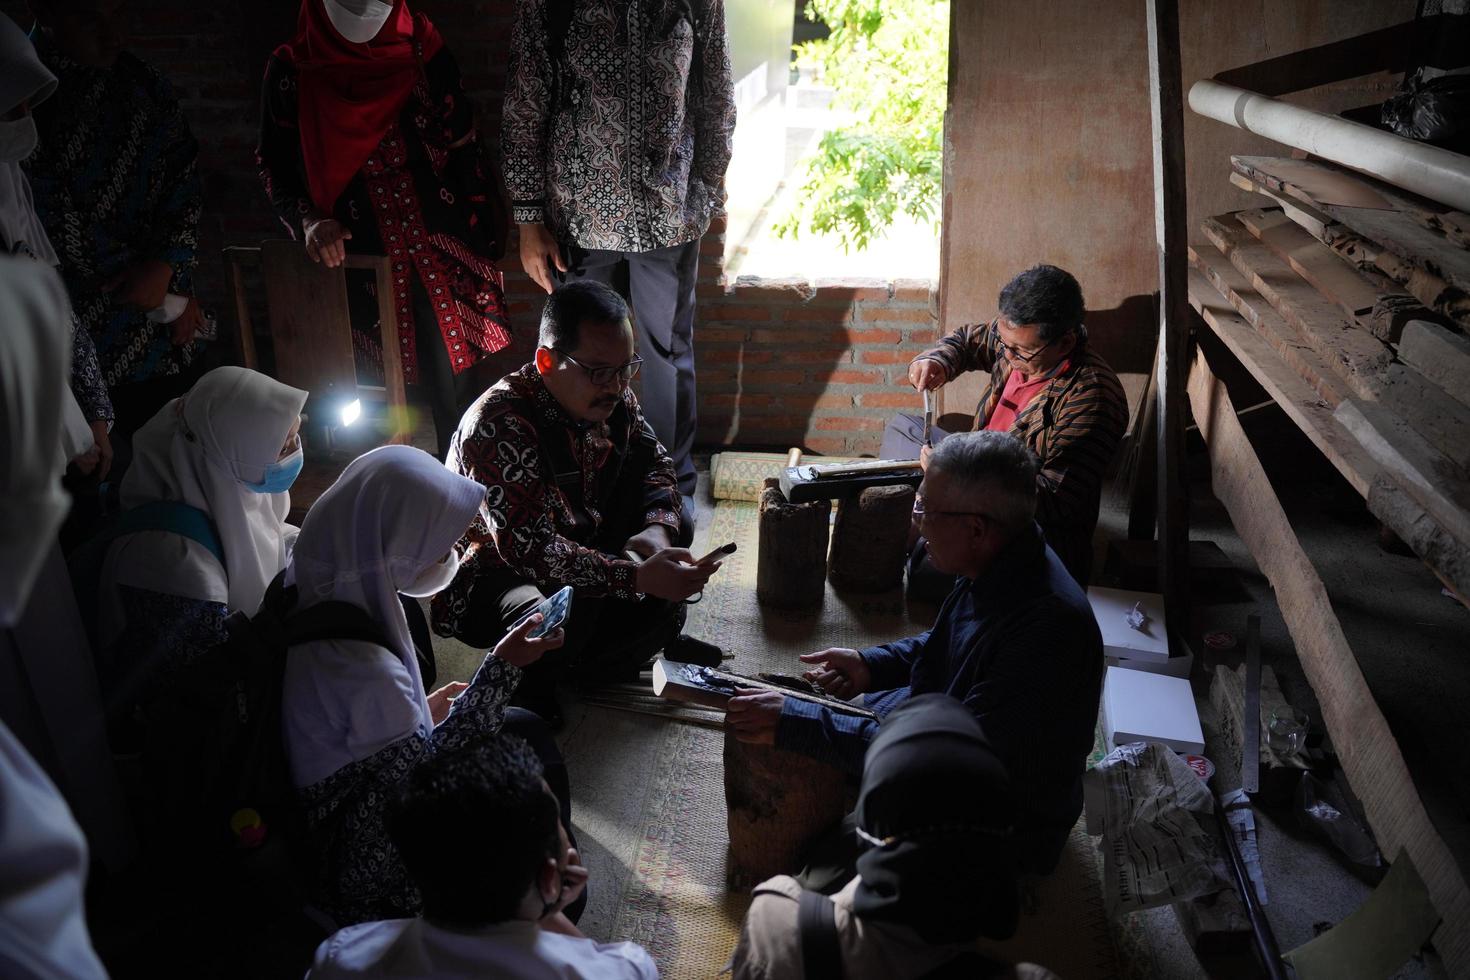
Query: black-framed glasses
[(920, 512), (1016, 352), (603, 375)]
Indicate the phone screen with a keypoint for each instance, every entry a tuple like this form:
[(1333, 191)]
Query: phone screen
[(717, 554), (553, 612)]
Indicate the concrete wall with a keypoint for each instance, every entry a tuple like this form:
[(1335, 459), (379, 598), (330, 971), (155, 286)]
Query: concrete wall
[(1048, 143)]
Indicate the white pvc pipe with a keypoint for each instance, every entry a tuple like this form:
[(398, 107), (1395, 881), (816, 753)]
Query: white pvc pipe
[(1428, 171)]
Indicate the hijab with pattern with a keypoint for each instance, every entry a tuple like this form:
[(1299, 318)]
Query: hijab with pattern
[(203, 448), (393, 513), (935, 808)]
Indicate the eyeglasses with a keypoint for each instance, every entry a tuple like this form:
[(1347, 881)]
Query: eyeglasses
[(921, 513), (1016, 352), (603, 375)]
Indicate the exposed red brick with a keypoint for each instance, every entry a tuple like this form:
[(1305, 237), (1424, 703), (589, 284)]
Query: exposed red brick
[(875, 336), (889, 399), (707, 312), (856, 377), (722, 334), (834, 315), (888, 356), (849, 423), (878, 314)]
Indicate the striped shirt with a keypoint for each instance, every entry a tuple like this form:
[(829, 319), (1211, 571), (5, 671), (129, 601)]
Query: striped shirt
[(1073, 425)]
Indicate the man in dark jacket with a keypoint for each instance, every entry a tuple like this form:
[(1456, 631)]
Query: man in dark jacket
[(1016, 642)]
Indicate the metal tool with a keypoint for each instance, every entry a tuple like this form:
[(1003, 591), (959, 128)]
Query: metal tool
[(928, 417), (1250, 721)]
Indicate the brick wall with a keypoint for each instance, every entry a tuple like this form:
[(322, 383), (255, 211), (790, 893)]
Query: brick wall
[(780, 362)]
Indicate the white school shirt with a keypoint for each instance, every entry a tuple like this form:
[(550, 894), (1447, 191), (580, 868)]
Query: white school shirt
[(515, 950)]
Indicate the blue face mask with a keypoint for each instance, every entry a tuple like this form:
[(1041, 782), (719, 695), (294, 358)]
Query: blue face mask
[(280, 475)]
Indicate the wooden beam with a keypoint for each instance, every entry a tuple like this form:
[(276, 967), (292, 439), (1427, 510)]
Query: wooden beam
[(1427, 474), (1166, 105), (1395, 228), (1364, 742), (1283, 338), (1443, 422), (1312, 415), (1440, 356), (1447, 556), (1355, 354)]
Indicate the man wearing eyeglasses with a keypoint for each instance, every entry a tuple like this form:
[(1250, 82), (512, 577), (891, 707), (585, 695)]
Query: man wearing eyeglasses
[(1015, 641), (1048, 388), (580, 493)]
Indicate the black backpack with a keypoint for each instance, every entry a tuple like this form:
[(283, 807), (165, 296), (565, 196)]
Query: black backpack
[(214, 761), (821, 950)]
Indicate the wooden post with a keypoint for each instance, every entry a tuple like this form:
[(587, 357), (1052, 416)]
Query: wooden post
[(776, 803), (792, 564), (870, 539), (1166, 103)]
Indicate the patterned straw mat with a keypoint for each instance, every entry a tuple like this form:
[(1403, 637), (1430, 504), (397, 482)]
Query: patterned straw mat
[(674, 901)]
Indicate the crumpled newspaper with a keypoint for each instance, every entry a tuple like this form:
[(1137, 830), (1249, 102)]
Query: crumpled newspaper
[(1142, 798)]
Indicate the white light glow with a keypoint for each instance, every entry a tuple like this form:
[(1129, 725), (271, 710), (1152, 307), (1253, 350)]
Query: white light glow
[(352, 411)]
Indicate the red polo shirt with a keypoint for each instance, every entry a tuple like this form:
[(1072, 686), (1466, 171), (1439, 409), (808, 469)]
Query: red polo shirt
[(1016, 395)]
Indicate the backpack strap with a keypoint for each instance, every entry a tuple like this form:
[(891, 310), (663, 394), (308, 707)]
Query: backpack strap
[(174, 516), (821, 954), (283, 625)]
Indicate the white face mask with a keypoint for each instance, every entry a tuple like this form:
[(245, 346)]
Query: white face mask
[(359, 21), (17, 139), (434, 579)]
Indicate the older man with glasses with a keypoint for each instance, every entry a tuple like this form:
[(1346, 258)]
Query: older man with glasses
[(1049, 389), (580, 493), (1015, 641)]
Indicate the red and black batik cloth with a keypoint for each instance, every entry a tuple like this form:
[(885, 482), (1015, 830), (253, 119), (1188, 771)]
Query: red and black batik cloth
[(418, 191)]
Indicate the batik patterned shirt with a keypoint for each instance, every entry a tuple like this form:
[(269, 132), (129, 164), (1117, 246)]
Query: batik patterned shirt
[(554, 515), (116, 183), (625, 146)]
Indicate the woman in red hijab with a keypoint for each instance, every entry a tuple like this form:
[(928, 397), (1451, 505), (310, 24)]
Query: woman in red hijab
[(368, 143)]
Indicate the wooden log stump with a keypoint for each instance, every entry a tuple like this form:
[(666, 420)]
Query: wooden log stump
[(870, 539), (790, 570), (777, 802)]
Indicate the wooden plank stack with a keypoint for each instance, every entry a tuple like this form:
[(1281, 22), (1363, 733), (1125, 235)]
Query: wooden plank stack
[(1349, 301)]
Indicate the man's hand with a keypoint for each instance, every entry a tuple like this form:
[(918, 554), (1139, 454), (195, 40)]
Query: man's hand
[(441, 700), (752, 718), (188, 323), (142, 286), (325, 239), (650, 541), (926, 374), (839, 671), (540, 254), (520, 650), (671, 574), (924, 453)]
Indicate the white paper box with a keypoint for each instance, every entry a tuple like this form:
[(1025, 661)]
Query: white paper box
[(1144, 707), (1111, 607)]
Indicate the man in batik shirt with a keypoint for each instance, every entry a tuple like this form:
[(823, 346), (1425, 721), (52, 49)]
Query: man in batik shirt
[(618, 125), (579, 493)]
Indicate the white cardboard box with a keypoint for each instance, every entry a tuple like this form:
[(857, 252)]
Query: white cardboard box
[(1144, 707), (1111, 608)]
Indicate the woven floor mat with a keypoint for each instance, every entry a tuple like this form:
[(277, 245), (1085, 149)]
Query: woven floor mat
[(675, 903)]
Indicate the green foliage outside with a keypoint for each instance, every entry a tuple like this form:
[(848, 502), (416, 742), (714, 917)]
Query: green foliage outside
[(887, 60)]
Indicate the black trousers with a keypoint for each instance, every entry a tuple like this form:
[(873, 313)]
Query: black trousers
[(659, 286), (529, 726)]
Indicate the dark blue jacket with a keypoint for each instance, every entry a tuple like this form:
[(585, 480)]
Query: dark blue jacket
[(1020, 647)]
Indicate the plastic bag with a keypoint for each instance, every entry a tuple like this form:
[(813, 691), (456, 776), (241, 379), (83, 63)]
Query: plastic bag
[(1435, 111), (1320, 808)]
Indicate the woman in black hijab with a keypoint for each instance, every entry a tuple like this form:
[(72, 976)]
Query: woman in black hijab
[(937, 875)]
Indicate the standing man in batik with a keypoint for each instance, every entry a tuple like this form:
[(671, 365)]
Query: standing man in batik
[(117, 187), (618, 123)]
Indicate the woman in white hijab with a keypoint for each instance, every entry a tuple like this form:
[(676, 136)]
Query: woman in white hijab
[(230, 449), (43, 857), (355, 716), (25, 83)]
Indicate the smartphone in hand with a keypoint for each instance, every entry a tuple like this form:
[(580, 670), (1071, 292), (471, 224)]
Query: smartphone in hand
[(553, 612), (717, 554)]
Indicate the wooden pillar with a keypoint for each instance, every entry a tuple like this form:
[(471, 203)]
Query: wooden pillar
[(1166, 103)]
